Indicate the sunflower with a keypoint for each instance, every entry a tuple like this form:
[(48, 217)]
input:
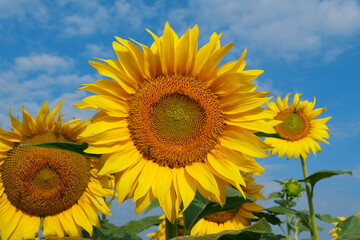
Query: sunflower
[(233, 220), (173, 121), (58, 186), (300, 130)]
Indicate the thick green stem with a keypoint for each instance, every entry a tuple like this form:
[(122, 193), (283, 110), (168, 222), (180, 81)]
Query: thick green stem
[(314, 232), (170, 229), (288, 236), (296, 230)]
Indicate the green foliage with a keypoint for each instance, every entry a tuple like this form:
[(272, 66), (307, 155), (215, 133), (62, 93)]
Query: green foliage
[(327, 218), (128, 231), (275, 195), (350, 229), (153, 204), (320, 175), (253, 232), (270, 217), (200, 207), (271, 135), (69, 146)]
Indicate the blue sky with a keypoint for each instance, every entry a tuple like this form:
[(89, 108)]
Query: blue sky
[(306, 46)]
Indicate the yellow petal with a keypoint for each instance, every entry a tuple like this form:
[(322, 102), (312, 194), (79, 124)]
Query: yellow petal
[(68, 223), (41, 118), (146, 179), (81, 219), (53, 227)]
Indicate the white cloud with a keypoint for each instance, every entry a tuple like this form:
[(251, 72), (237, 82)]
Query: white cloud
[(22, 8), (286, 29), (42, 62), (98, 50)]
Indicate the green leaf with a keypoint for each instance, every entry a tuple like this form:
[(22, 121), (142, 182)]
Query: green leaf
[(200, 207), (128, 231), (271, 135), (282, 210), (285, 203), (275, 195), (270, 217), (253, 232), (350, 229), (327, 218), (288, 211), (153, 204), (317, 176), (68, 146), (271, 236)]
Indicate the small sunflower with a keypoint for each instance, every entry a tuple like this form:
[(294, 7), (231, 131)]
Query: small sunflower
[(299, 128), (58, 186), (173, 121), (233, 220), (292, 188)]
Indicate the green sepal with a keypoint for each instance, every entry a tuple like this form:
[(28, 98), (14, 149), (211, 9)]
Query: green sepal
[(270, 135)]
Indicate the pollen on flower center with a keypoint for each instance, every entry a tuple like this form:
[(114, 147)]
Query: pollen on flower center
[(295, 125), (46, 178), (44, 181), (174, 120), (177, 118)]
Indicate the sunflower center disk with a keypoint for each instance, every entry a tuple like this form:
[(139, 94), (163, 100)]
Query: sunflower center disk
[(220, 217), (46, 178), (294, 126), (177, 118), (44, 181), (174, 120)]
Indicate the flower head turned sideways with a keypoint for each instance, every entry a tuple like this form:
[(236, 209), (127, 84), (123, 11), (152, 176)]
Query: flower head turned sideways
[(58, 186), (233, 220), (299, 128), (171, 121), (230, 220)]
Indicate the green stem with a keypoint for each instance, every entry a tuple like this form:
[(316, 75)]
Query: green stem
[(296, 230), (170, 229), (288, 236), (314, 232)]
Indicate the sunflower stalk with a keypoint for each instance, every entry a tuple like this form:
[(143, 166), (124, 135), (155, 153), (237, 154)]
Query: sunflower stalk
[(313, 230), (170, 229), (288, 236)]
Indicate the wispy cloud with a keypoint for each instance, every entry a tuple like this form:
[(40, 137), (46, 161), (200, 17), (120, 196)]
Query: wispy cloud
[(34, 79), (98, 50), (286, 29), (42, 62), (21, 9)]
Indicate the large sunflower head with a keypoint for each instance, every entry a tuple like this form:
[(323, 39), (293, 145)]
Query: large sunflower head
[(58, 186), (172, 121), (299, 128), (233, 220)]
